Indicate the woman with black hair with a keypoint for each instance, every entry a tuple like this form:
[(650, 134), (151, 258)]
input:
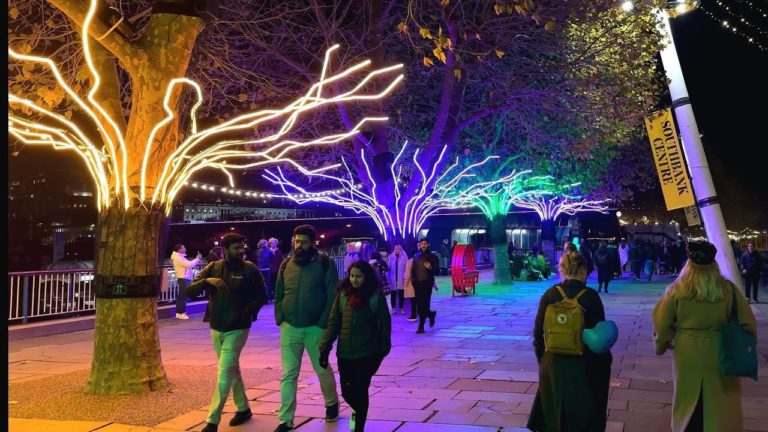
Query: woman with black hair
[(360, 320)]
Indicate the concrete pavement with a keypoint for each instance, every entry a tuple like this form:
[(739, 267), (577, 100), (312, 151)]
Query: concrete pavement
[(474, 372)]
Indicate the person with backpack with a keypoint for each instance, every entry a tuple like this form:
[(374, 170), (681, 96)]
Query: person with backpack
[(236, 293), (360, 320), (573, 380), (689, 319), (605, 267), (304, 293)]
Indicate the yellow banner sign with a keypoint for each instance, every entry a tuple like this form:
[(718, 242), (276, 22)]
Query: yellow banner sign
[(670, 164)]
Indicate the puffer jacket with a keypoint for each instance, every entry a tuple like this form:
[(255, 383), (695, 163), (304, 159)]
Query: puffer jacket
[(361, 332), (303, 294)]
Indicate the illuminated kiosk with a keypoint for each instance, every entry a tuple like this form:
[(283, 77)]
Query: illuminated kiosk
[(464, 274)]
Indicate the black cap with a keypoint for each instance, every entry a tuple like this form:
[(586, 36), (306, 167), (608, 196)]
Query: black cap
[(701, 252)]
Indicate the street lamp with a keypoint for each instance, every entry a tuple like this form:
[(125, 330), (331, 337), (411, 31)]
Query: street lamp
[(706, 198)]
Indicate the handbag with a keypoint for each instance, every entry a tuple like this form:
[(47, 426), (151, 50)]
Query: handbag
[(738, 353)]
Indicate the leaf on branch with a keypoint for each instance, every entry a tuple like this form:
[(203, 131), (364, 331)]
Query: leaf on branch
[(50, 23), (498, 9), (457, 73), (549, 26), (536, 18), (439, 54), (242, 97), (477, 35), (424, 32), (427, 61), (402, 27), (521, 10), (82, 75), (68, 114), (445, 2), (13, 13), (499, 53)]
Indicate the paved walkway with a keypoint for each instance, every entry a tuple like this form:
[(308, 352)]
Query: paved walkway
[(474, 372)]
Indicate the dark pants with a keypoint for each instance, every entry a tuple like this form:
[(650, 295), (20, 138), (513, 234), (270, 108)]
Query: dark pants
[(397, 297), (423, 300), (604, 276), (355, 376), (181, 298), (267, 275), (751, 284), (636, 266), (414, 312), (273, 283)]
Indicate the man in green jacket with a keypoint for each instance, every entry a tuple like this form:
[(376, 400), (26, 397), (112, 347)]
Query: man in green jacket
[(304, 293), (236, 294)]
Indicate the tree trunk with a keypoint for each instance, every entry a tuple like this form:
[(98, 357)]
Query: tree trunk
[(501, 270), (548, 240), (126, 354)]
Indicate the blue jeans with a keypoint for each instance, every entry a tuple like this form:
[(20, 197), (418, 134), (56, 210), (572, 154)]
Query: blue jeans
[(228, 346), (181, 298)]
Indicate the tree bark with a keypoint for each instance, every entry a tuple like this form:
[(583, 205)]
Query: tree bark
[(126, 357), (548, 240), (501, 270)]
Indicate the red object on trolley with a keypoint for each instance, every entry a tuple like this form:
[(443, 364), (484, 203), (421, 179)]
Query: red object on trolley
[(464, 274)]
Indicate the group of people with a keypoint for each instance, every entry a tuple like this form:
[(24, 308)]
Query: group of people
[(313, 310), (573, 389)]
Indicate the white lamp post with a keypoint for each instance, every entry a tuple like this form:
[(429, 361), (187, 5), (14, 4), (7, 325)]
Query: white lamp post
[(706, 198)]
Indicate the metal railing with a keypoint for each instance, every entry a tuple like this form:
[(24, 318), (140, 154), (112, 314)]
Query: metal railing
[(51, 294), (57, 293)]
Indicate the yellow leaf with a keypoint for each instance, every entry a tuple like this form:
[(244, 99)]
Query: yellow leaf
[(537, 18), (403, 27), (424, 32), (457, 73), (13, 13), (50, 23), (242, 97), (439, 54), (520, 10), (427, 62), (444, 2), (498, 9), (68, 115), (499, 53), (549, 26)]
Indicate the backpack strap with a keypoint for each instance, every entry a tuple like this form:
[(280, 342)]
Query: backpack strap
[(581, 293), (562, 293)]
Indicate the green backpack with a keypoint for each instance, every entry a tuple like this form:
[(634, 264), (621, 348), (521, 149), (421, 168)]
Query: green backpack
[(563, 324)]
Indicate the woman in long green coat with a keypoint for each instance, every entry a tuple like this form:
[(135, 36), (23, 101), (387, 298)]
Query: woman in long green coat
[(687, 319), (573, 390)]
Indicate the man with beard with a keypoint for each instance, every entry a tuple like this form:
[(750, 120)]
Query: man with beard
[(423, 270), (236, 293), (304, 293)]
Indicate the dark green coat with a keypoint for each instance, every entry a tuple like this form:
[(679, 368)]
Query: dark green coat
[(304, 294), (573, 390), (362, 333)]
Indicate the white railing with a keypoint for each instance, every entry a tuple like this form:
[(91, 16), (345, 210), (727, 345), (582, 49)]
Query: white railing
[(56, 293)]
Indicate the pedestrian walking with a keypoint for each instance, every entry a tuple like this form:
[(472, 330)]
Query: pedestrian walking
[(604, 267), (687, 319), (360, 320), (304, 293), (409, 292), (623, 257), (236, 294), (636, 259), (263, 262), (751, 266), (398, 261), (650, 254), (445, 256), (676, 252), (573, 388), (423, 270), (182, 267), (274, 265)]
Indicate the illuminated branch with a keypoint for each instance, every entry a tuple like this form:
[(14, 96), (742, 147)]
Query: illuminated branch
[(550, 205), (409, 213), (107, 160)]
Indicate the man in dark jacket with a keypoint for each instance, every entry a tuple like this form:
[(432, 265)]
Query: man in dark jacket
[(423, 270), (236, 294), (304, 293), (263, 258), (751, 266)]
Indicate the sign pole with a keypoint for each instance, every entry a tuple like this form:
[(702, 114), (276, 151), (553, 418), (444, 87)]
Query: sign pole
[(707, 199)]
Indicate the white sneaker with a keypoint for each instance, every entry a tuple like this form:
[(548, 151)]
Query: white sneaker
[(182, 316)]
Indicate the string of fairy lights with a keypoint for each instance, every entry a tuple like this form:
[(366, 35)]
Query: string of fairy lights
[(740, 25), (752, 6), (255, 194)]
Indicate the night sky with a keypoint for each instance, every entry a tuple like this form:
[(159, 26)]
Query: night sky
[(727, 81)]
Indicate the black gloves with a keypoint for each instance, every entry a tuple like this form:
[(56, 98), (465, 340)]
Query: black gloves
[(324, 359)]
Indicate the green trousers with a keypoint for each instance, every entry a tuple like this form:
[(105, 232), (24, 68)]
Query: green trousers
[(293, 341), (228, 346)]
